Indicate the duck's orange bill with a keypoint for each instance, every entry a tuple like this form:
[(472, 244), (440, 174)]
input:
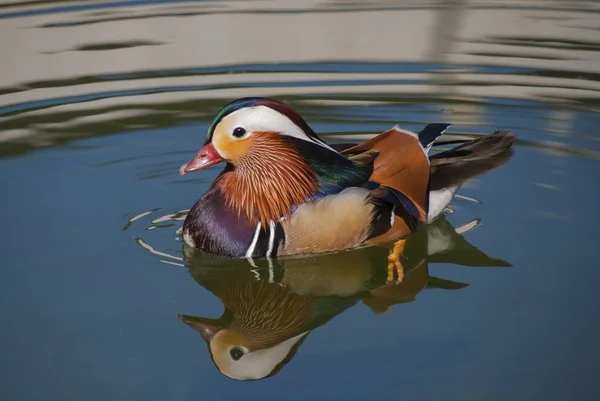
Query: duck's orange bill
[(206, 157)]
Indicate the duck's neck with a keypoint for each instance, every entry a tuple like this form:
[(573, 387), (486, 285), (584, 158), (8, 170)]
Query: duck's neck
[(267, 313), (265, 184)]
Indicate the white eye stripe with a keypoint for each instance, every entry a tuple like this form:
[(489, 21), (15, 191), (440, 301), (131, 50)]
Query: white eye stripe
[(265, 119)]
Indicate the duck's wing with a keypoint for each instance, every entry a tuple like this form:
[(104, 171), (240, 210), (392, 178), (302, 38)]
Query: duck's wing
[(427, 137), (400, 179), (430, 134), (401, 163), (388, 206)]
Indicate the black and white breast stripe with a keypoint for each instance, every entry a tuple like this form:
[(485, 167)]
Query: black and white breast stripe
[(266, 241)]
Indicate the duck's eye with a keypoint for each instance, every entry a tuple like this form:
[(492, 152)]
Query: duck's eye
[(236, 353), (239, 132)]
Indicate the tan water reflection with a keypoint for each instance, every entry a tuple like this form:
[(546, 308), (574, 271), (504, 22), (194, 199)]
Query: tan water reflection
[(271, 309), (108, 65)]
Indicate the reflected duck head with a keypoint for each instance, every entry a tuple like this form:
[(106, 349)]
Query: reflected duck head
[(261, 328), (237, 355)]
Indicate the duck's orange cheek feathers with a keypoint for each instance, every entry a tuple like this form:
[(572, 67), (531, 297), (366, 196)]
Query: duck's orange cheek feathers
[(229, 148)]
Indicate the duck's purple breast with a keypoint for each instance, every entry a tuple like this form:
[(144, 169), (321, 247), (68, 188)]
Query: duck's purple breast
[(215, 228)]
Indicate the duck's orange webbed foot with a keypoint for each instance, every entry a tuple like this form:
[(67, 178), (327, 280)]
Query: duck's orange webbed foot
[(394, 263)]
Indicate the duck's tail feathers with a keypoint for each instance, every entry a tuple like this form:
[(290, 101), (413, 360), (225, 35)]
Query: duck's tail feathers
[(451, 168)]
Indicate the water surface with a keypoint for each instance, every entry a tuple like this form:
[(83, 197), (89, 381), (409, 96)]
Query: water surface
[(101, 102)]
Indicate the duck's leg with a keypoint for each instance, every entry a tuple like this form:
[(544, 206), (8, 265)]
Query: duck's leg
[(394, 263)]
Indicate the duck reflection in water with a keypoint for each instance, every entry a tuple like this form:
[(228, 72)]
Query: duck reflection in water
[(271, 306)]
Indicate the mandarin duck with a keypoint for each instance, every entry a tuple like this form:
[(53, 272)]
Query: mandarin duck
[(271, 306), (284, 191)]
